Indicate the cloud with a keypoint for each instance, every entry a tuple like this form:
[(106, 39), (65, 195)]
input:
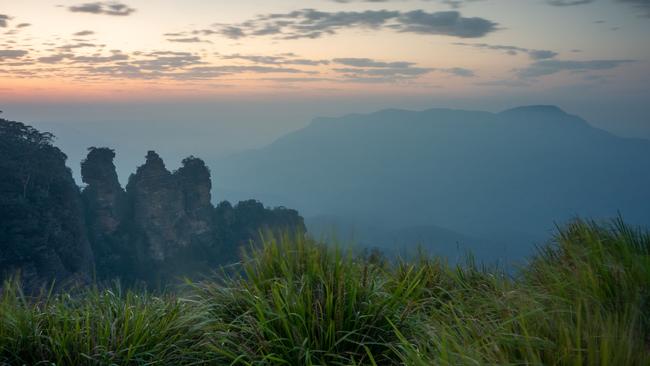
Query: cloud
[(504, 83), (232, 32), (389, 71), (115, 55), (458, 71), (512, 50), (549, 67), (204, 32), (4, 19), (71, 46), (167, 60), (359, 1), (207, 72), (642, 5), (53, 59), (310, 23), (105, 8), (376, 79), (366, 62), (170, 65), (398, 70), (18, 63), (286, 59), (541, 54), (452, 3), (188, 40), (4, 54), (449, 23), (84, 33), (568, 2), (23, 25), (147, 66), (296, 79), (457, 3), (305, 62), (135, 70), (364, 70)]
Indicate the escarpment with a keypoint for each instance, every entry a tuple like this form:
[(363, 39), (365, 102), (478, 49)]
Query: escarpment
[(160, 227), (158, 210)]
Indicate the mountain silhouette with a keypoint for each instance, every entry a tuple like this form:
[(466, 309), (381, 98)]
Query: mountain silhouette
[(506, 177)]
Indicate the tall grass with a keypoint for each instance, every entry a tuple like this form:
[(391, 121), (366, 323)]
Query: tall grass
[(96, 327), (584, 299), (301, 303)]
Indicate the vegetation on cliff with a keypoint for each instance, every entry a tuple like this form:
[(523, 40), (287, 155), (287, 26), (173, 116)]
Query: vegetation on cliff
[(582, 300), (42, 228)]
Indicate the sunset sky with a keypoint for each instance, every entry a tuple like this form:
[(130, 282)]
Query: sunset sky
[(590, 56), (71, 49)]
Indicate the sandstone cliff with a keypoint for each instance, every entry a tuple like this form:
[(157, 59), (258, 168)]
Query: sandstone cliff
[(195, 185), (107, 214), (161, 227), (104, 198), (158, 210)]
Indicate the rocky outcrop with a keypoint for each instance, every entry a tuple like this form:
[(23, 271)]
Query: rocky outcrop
[(195, 185), (106, 209), (104, 198), (158, 210), (165, 224)]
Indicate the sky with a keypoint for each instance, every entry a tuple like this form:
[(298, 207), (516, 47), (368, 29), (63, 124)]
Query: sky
[(243, 73)]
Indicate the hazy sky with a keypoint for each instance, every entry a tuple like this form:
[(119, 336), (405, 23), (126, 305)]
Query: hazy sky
[(258, 68)]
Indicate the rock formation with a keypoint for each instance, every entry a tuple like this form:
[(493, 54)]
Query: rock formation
[(161, 227), (164, 224), (195, 185), (103, 196), (158, 210), (106, 208)]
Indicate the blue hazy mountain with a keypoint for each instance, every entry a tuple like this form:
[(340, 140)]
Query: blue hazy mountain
[(504, 177), (409, 241)]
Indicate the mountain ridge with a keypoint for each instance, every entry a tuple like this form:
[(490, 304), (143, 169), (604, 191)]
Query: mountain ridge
[(478, 173)]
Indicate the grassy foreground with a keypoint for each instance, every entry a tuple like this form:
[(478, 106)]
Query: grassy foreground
[(583, 300)]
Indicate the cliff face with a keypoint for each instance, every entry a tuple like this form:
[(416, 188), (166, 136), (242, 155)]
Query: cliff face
[(158, 210), (171, 213), (106, 209), (42, 228), (195, 185), (103, 196)]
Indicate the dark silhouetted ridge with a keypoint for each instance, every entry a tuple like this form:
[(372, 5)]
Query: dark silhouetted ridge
[(546, 110)]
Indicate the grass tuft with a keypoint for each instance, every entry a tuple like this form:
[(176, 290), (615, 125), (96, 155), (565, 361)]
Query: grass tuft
[(584, 299)]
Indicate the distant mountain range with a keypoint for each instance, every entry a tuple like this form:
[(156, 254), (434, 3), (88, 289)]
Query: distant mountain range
[(503, 178), (409, 241)]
